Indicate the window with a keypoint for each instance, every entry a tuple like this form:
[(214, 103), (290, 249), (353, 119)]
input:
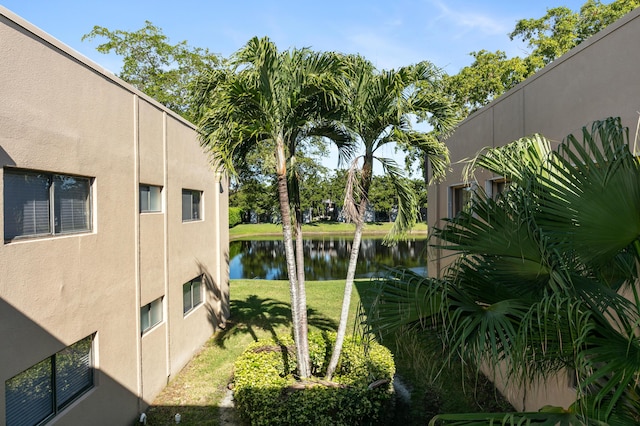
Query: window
[(39, 204), (459, 199), (43, 390), (150, 198), (495, 187), (151, 314), (191, 294), (191, 209)]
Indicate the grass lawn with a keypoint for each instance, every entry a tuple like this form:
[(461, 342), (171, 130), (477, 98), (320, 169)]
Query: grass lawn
[(260, 308), (249, 230)]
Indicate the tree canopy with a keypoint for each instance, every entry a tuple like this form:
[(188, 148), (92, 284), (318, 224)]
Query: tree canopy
[(164, 71), (549, 37)]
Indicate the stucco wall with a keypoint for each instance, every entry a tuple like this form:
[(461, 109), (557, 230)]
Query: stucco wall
[(595, 80), (61, 113)]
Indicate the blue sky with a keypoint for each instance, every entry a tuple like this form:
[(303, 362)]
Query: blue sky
[(390, 33)]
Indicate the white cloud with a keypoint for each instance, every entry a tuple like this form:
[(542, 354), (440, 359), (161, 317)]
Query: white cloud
[(385, 52), (466, 20)]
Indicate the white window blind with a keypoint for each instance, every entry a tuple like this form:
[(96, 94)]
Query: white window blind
[(26, 204), (71, 200), (191, 208), (191, 294), (44, 204), (42, 390), (150, 198)]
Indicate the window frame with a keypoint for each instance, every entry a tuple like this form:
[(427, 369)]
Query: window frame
[(54, 205), (196, 214), (192, 306), (149, 307), (149, 201), (496, 186), (453, 198), (54, 393)]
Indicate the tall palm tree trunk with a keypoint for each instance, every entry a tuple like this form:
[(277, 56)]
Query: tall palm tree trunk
[(353, 262), (346, 301), (303, 356), (299, 327)]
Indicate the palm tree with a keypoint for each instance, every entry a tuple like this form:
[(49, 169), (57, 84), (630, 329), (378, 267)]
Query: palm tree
[(379, 109), (278, 99), (546, 276)]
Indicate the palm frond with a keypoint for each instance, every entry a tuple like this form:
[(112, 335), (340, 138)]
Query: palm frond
[(517, 161), (595, 206), (352, 193), (548, 416), (343, 139), (407, 203)]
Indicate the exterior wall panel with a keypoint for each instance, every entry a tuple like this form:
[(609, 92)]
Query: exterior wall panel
[(61, 113)]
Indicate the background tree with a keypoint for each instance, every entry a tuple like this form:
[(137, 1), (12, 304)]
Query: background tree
[(489, 76), (561, 29), (550, 36), (164, 71), (420, 190), (383, 197), (254, 196)]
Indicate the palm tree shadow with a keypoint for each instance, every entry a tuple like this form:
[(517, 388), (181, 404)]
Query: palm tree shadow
[(255, 315)]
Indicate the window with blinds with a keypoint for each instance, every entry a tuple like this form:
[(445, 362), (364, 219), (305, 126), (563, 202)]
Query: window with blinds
[(191, 206), (191, 294), (40, 392), (41, 204), (151, 314)]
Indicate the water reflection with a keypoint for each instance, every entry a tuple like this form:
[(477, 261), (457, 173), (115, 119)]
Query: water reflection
[(325, 259)]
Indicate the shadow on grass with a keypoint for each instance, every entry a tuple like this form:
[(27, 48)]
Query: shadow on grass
[(255, 314)]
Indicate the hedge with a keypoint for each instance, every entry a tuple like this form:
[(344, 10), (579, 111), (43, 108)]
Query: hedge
[(235, 216), (267, 392)]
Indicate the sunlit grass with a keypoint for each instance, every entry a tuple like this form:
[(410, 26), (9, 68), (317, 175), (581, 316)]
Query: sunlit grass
[(251, 230)]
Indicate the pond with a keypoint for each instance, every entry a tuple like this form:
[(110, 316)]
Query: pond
[(326, 258)]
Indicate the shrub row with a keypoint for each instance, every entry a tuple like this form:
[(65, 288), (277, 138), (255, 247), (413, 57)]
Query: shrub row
[(361, 393), (235, 216)]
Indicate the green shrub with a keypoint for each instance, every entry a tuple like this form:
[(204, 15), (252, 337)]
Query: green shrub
[(267, 393), (235, 216)]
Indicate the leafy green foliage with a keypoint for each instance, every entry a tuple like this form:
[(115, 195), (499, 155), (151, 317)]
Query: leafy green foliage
[(164, 71), (560, 29), (489, 76), (267, 392), (235, 216), (545, 278)]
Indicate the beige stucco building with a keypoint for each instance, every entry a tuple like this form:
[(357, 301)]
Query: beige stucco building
[(595, 80), (113, 267)]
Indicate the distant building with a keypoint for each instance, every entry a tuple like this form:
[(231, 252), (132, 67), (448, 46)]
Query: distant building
[(113, 266), (595, 80)]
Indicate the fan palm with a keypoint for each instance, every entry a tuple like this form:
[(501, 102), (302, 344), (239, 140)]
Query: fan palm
[(379, 109), (546, 275), (278, 99)]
